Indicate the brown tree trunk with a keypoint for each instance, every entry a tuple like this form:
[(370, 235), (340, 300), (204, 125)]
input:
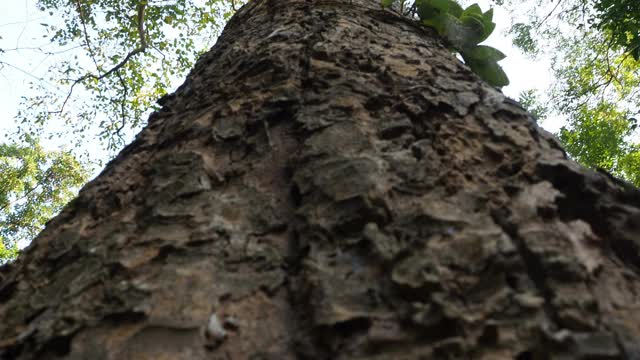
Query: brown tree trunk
[(331, 183)]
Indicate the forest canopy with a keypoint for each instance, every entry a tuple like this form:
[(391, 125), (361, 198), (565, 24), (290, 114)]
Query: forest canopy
[(594, 47), (114, 59)]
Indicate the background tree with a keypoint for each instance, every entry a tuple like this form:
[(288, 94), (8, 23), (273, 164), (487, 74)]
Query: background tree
[(332, 183), (113, 59), (595, 45), (34, 185), (124, 55)]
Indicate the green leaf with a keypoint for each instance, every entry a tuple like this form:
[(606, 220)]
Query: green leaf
[(441, 5), (474, 22), (439, 23), (472, 10), (488, 15), (428, 9), (464, 33), (455, 9), (476, 27), (489, 25), (487, 31), (484, 53), (489, 71), (34, 185), (634, 48)]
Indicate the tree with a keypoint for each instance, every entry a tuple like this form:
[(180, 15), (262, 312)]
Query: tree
[(331, 183), (122, 55), (35, 184), (595, 46)]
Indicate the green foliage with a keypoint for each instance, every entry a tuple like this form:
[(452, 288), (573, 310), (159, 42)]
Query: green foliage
[(599, 137), (594, 46), (113, 59), (34, 185), (123, 55), (629, 165), (620, 18), (463, 29), (596, 90), (483, 60), (523, 38), (530, 100)]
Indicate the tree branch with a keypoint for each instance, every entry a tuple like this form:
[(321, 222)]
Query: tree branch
[(142, 5)]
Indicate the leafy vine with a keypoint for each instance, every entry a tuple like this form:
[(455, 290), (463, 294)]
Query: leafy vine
[(462, 29)]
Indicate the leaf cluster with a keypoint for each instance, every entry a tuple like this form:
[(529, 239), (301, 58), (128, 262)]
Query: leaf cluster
[(35, 184), (597, 137), (530, 100), (463, 29), (112, 60), (119, 57), (621, 18), (594, 47)]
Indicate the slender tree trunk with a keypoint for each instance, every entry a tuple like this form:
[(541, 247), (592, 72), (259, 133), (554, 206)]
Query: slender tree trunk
[(331, 183)]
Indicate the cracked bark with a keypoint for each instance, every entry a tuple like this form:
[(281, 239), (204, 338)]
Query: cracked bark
[(331, 183)]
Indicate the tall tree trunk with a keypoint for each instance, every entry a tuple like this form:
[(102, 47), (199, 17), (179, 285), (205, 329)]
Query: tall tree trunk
[(331, 183)]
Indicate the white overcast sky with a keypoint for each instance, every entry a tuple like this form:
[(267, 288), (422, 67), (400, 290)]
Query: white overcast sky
[(20, 28)]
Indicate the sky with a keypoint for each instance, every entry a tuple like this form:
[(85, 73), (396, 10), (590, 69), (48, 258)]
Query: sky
[(21, 31), (23, 59)]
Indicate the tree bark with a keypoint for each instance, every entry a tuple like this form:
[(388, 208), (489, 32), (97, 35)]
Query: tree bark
[(331, 183)]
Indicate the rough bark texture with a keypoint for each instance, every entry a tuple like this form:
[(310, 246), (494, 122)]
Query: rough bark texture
[(331, 183)]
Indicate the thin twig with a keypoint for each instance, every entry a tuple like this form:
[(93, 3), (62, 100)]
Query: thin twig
[(548, 15), (86, 35)]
